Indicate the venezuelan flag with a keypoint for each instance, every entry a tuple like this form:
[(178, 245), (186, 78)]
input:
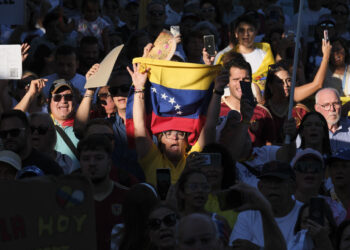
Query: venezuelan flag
[(177, 96)]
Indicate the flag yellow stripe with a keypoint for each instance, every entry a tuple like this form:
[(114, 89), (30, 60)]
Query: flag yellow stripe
[(179, 75)]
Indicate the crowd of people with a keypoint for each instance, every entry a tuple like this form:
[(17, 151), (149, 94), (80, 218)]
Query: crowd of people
[(253, 179)]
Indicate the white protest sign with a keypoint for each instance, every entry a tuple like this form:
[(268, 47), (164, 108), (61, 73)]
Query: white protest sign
[(10, 61)]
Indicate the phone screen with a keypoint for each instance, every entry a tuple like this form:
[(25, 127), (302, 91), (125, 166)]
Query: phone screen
[(316, 210), (325, 35), (175, 30), (209, 44), (163, 182)]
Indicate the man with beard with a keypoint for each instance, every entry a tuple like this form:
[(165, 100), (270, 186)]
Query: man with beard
[(16, 136), (327, 102), (95, 161), (276, 183)]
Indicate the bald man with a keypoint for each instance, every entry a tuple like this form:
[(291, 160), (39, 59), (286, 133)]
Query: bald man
[(197, 231), (329, 105)]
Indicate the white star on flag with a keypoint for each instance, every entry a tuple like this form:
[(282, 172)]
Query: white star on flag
[(154, 90), (172, 100), (179, 112), (177, 107), (164, 96)]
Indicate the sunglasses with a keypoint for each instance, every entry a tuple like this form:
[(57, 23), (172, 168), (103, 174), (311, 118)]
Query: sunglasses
[(42, 130), (115, 90), (104, 96), (58, 97), (308, 167), (12, 132), (169, 221)]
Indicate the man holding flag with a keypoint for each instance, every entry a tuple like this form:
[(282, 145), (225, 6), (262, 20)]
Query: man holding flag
[(175, 113)]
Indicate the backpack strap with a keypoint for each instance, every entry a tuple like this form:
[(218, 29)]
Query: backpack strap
[(67, 140)]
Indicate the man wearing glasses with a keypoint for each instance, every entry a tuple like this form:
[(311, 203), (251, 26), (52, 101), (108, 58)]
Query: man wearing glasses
[(329, 105), (61, 106), (16, 136)]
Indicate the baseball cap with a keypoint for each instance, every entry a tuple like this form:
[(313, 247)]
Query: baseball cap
[(57, 84), (277, 169), (11, 158), (307, 152)]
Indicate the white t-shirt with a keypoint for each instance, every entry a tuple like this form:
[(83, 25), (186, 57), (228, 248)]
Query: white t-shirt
[(255, 58), (261, 155), (249, 226)]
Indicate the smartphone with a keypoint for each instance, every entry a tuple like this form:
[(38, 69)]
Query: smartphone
[(175, 30), (209, 44), (325, 35), (163, 182), (230, 199), (316, 210), (213, 159), (247, 92)]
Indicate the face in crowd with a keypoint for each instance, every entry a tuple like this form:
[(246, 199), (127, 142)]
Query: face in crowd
[(162, 224), (313, 130), (329, 105), (62, 104), (280, 85), (66, 66), (43, 133), (236, 76), (14, 134), (245, 34), (309, 173), (173, 143), (119, 89)]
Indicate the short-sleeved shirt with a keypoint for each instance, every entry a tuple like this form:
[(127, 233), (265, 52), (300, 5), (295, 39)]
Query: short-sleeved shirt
[(262, 128), (154, 159), (249, 226), (108, 213)]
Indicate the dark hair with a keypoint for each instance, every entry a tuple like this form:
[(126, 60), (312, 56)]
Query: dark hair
[(326, 146), (246, 18), (271, 76), (85, 2), (159, 2), (228, 164), (49, 18), (15, 113), (340, 230), (336, 4), (98, 121), (328, 214), (95, 142), (65, 50), (236, 60), (344, 44), (137, 206), (186, 174)]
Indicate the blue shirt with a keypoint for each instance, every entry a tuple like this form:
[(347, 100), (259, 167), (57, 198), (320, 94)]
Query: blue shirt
[(123, 156), (341, 138)]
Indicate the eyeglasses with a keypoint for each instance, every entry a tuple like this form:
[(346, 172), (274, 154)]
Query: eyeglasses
[(42, 130), (308, 167), (340, 13), (156, 13), (104, 96), (208, 10), (327, 25), (174, 133), (193, 187), (123, 88), (328, 106), (12, 132), (169, 221), (58, 97)]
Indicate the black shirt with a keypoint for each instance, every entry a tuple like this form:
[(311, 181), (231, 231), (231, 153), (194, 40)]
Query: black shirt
[(42, 161)]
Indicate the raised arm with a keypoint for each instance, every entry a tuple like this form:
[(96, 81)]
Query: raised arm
[(208, 133), (304, 91), (142, 138), (254, 200), (83, 113), (287, 151), (35, 88)]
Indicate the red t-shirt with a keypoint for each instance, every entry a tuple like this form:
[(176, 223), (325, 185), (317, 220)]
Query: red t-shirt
[(108, 213), (261, 129)]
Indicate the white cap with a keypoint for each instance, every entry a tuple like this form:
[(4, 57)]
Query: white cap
[(11, 158)]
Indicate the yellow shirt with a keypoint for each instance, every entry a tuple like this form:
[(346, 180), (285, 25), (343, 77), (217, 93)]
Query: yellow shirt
[(212, 205), (155, 159)]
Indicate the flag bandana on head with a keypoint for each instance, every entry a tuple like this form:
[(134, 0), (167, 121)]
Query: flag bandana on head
[(176, 96)]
